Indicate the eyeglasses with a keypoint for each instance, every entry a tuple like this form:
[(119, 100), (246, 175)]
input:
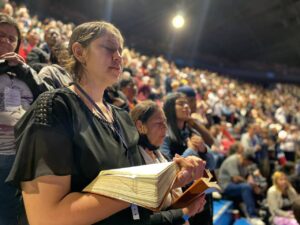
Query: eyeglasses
[(182, 103)]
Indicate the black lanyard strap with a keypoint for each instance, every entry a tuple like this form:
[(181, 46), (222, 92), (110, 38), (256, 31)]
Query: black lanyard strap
[(114, 126), (92, 101)]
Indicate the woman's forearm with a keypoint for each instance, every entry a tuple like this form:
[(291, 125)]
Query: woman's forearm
[(48, 200), (75, 209), (205, 134)]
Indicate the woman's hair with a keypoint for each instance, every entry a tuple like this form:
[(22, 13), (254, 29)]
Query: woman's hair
[(84, 34), (276, 176), (5, 19), (143, 111), (170, 112)]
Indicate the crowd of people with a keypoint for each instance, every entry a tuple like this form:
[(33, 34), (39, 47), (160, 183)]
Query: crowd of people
[(75, 101)]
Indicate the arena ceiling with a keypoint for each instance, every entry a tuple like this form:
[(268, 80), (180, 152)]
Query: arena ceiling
[(217, 31)]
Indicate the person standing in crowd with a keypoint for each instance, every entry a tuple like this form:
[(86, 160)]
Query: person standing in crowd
[(150, 121), (17, 93), (280, 197), (70, 134)]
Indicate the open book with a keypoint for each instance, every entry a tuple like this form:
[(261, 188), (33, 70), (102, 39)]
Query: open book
[(146, 185), (203, 185)]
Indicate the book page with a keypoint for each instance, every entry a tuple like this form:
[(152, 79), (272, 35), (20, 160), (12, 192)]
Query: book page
[(150, 170), (146, 186)]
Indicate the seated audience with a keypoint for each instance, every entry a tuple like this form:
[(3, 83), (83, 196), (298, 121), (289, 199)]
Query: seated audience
[(127, 86), (44, 54)]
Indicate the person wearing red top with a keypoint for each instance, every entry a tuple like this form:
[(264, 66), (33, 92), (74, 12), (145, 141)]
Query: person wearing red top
[(32, 40)]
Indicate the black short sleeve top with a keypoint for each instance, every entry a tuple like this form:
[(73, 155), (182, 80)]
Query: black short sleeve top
[(59, 135)]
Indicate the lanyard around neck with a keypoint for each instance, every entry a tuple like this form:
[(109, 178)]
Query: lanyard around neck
[(113, 126), (91, 101)]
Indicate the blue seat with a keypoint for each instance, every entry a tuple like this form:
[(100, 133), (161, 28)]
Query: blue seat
[(222, 212)]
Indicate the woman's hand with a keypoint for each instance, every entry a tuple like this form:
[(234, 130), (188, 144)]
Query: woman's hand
[(13, 59), (191, 168), (191, 121), (195, 206), (196, 143)]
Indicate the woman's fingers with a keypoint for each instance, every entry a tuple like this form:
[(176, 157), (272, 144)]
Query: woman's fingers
[(196, 205), (13, 59), (198, 166), (191, 168), (202, 203)]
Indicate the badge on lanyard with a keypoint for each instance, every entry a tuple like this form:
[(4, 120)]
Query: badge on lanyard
[(135, 212), (12, 99)]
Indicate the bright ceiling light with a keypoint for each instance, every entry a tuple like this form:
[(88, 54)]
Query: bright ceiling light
[(178, 21)]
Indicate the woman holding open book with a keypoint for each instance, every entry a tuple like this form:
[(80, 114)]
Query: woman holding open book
[(71, 134), (150, 121)]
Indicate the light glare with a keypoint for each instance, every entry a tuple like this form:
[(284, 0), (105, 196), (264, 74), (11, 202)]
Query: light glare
[(178, 21)]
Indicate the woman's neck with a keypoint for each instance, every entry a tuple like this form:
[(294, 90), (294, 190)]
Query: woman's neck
[(283, 190), (94, 89), (151, 154), (180, 124)]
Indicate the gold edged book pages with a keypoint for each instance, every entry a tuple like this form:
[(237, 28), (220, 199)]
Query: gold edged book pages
[(202, 185), (146, 185)]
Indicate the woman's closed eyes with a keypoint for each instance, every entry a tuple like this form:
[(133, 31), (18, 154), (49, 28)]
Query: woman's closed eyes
[(111, 49)]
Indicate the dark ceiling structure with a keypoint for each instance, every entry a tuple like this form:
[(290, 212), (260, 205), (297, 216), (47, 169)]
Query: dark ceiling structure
[(231, 32)]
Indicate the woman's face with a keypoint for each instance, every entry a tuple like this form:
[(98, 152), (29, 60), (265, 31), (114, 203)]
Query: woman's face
[(282, 182), (156, 128), (182, 108), (33, 37), (8, 39), (103, 59)]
